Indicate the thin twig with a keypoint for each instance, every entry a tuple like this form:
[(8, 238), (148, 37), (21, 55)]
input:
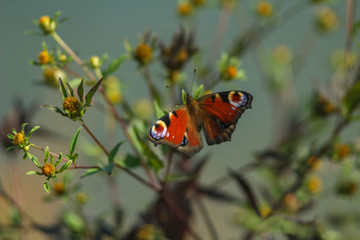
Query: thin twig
[(94, 137), (205, 214)]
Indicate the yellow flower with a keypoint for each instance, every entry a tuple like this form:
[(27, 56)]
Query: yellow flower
[(314, 162), (342, 150), (44, 57), (231, 72), (94, 62), (47, 24), (143, 108), (327, 20), (185, 8), (323, 106), (264, 9), (62, 58), (182, 56), (113, 89), (48, 170), (291, 202), (265, 211), (81, 197), (348, 187), (315, 184), (282, 54), (146, 232), (59, 188), (174, 76), (51, 76), (44, 21), (19, 139), (342, 60), (143, 53), (72, 104)]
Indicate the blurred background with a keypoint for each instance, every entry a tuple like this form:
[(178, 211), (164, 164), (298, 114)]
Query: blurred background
[(98, 27)]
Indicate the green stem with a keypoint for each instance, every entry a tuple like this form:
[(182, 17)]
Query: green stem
[(122, 123), (51, 153), (59, 40)]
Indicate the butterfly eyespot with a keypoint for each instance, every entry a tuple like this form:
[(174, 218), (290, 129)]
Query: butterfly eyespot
[(159, 130), (184, 142), (237, 99)]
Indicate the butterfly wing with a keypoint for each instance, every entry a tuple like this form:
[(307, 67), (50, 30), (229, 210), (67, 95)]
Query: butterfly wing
[(221, 112), (176, 130)]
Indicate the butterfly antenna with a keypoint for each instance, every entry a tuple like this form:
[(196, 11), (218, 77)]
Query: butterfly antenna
[(192, 82)]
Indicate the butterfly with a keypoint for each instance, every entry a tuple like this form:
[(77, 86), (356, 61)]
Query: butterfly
[(216, 113)]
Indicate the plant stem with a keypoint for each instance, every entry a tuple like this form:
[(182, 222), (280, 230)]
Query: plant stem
[(122, 123), (94, 137), (51, 153), (208, 222), (150, 85), (59, 40)]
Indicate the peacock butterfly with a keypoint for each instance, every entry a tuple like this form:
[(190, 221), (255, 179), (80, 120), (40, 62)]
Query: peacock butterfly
[(216, 113)]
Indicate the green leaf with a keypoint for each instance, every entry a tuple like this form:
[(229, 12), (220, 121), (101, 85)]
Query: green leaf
[(183, 96), (352, 97), (114, 151), (33, 130), (114, 65), (11, 147), (129, 161), (74, 83), (46, 186), (107, 168), (23, 126), (199, 91), (54, 109), (73, 221), (70, 89), (34, 160), (92, 91), (15, 216), (144, 149), (80, 91), (158, 111), (127, 46), (59, 159), (73, 141), (90, 172), (176, 178), (62, 89), (46, 154), (31, 172), (154, 161), (25, 155), (11, 136), (65, 166)]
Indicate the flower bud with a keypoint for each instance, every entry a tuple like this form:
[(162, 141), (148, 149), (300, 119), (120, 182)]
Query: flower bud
[(48, 170), (19, 138), (264, 9), (185, 8), (47, 24), (73, 106), (143, 53), (44, 57), (95, 62)]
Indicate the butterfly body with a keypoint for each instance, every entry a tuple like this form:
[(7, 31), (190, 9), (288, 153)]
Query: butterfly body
[(216, 113)]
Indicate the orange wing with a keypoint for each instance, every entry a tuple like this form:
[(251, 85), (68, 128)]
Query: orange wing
[(222, 110), (176, 130)]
